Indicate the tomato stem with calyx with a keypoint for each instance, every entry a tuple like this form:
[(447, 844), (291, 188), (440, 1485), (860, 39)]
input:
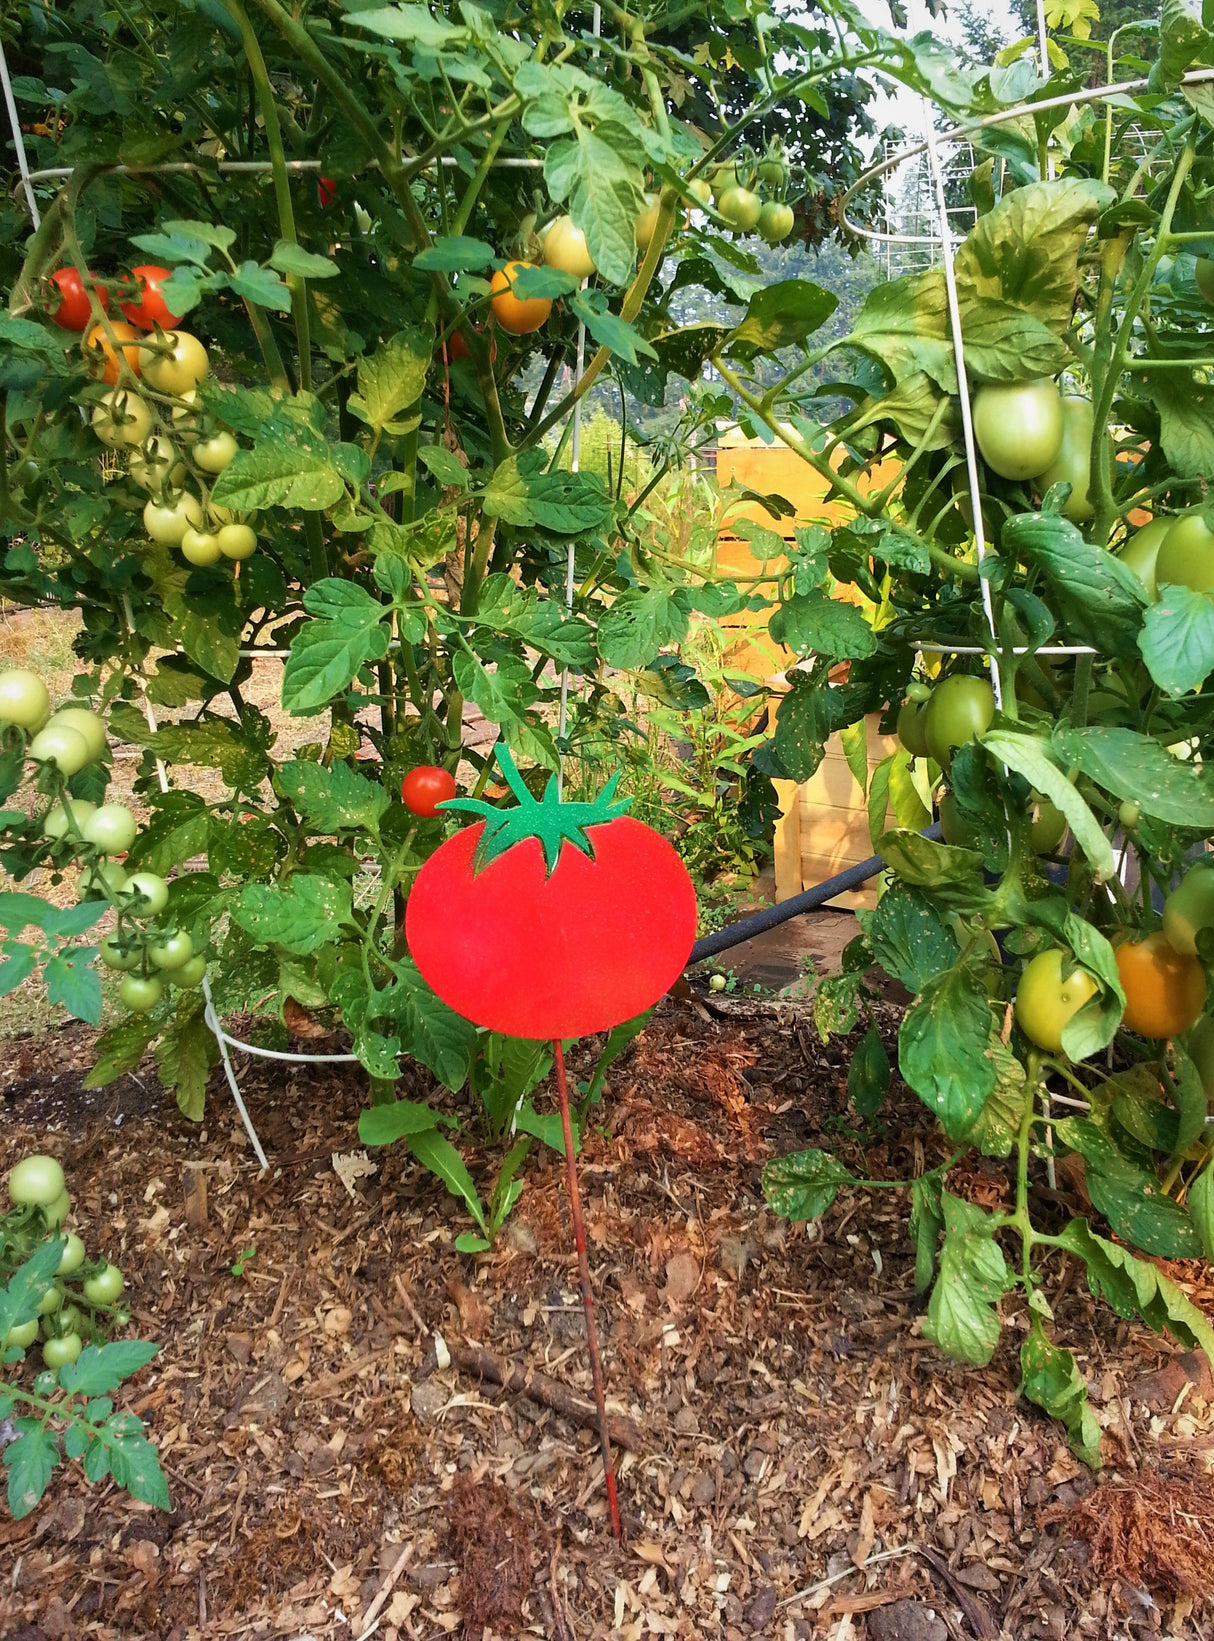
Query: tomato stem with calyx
[(579, 1237), (554, 823)]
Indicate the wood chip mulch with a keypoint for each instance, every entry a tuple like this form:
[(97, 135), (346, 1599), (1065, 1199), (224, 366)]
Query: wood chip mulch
[(366, 1433)]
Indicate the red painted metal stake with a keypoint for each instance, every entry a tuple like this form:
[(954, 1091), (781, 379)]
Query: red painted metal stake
[(579, 1235)]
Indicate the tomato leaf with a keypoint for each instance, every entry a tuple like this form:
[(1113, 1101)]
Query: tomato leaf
[(541, 623), (300, 916), (1095, 1025), (926, 1224), (1201, 1208), (1030, 756), (1134, 1287), (390, 380), (910, 938), (185, 1054), (911, 405), (455, 253), (285, 469), (1177, 640), (1125, 762), (608, 329), (29, 1459), (523, 493), (1100, 599), (998, 1124), (333, 800), (599, 172), (961, 1315), (1050, 1378), (99, 1368), (328, 653), (781, 316), (1127, 1195), (178, 829), (71, 980), (868, 1075), (925, 863), (804, 1184), (812, 623), (942, 1048), (120, 1049)]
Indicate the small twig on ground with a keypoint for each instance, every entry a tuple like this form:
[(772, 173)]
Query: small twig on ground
[(558, 1606), (385, 1590), (825, 1583), (538, 1387)]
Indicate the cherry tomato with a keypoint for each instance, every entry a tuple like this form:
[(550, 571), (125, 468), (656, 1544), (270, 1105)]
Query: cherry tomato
[(724, 178), (1190, 908), (121, 418), (326, 192), (72, 1257), (700, 190), (153, 893), (157, 466), (773, 173), (517, 316), (140, 992), (236, 541), (565, 248), (775, 221), (646, 223), (173, 952), (24, 699), (22, 1334), (56, 1212), (177, 367), (86, 723), (62, 746), (189, 974), (105, 1288), (741, 209), (111, 829), (168, 522), (104, 880), (201, 546), (55, 824), (52, 1299), (1141, 553), (1129, 814), (103, 361), (1073, 463), (37, 1179), (1186, 554), (74, 310), (1018, 426), (1048, 826), (58, 1352), (1203, 273), (151, 309), (960, 708), (120, 952), (215, 453), (954, 828), (1051, 990), (1165, 990), (912, 727), (424, 788)]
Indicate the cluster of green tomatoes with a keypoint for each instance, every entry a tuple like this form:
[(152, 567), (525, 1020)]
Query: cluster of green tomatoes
[(68, 740), (81, 1305)]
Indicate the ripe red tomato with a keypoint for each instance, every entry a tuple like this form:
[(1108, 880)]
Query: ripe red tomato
[(424, 788), (74, 311), (151, 309), (543, 953), (326, 191)]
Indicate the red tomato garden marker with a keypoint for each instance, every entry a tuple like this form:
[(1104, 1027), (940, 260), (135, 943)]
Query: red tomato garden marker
[(554, 920)]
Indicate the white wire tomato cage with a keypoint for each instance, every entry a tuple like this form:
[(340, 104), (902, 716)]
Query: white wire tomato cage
[(28, 178)]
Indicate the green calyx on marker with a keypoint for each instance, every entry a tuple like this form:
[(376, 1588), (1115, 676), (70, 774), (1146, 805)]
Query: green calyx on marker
[(551, 821)]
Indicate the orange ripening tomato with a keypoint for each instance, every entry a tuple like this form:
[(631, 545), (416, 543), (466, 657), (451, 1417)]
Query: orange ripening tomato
[(511, 313), (103, 361), (1165, 990)]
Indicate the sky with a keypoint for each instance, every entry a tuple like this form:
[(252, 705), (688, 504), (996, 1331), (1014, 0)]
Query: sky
[(903, 108)]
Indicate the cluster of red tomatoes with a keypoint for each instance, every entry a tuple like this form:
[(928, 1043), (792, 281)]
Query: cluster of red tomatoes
[(82, 1301), (150, 413), (70, 739)]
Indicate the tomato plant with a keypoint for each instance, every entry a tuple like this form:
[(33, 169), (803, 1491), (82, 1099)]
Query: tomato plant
[(1019, 427)]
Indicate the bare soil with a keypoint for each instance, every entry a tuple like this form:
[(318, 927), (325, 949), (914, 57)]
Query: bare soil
[(806, 1464)]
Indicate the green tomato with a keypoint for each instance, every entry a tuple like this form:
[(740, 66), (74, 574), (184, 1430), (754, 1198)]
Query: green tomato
[(153, 893), (1129, 814), (58, 1352), (740, 208), (773, 173), (105, 1288), (960, 708), (104, 881), (51, 1300), (54, 1213), (189, 974), (73, 1256), (68, 1319), (28, 477), (1048, 826), (156, 465), (173, 952), (1141, 553), (62, 746), (22, 1335), (954, 828), (111, 829), (775, 222), (1203, 273), (717, 982), (1200, 1045), (85, 722), (1190, 908), (1073, 463), (121, 418), (724, 178), (236, 541), (119, 952), (700, 190), (23, 698), (1052, 989), (200, 547), (168, 522), (38, 1179), (140, 992), (1186, 554), (912, 727), (55, 824), (180, 368), (215, 453), (1018, 426)]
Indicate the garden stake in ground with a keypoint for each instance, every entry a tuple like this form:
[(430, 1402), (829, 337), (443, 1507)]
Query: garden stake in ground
[(552, 921)]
